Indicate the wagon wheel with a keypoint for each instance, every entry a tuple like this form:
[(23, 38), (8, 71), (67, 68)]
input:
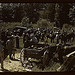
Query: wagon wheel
[(45, 58), (22, 56)]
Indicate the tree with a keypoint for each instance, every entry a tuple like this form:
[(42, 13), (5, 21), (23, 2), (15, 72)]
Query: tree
[(31, 10), (72, 14), (51, 11), (18, 13), (25, 21), (6, 12), (12, 12), (61, 15)]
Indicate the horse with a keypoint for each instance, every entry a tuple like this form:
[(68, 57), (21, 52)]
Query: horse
[(52, 37), (63, 37), (70, 36)]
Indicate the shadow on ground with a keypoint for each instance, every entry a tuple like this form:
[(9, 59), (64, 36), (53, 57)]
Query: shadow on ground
[(5, 70), (15, 60)]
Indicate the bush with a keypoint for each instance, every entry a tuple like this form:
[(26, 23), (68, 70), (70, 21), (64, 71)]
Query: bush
[(43, 23), (67, 27), (25, 21)]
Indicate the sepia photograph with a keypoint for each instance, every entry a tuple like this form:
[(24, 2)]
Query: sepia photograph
[(37, 37)]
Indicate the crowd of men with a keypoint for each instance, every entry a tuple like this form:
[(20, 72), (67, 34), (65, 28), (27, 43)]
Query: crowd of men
[(30, 36)]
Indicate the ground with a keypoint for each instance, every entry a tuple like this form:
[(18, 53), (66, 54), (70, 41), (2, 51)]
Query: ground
[(16, 66), (12, 65)]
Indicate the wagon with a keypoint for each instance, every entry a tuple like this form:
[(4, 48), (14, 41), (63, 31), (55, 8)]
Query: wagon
[(42, 52), (19, 28)]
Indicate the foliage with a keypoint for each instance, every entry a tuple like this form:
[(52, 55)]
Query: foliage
[(14, 12), (61, 15), (51, 11), (25, 21), (67, 27), (43, 23), (72, 14), (55, 12)]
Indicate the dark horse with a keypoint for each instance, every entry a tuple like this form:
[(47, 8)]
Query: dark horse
[(62, 37), (51, 36), (70, 36)]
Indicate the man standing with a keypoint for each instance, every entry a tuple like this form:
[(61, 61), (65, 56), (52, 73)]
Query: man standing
[(10, 47), (24, 34), (27, 41), (17, 41), (57, 37)]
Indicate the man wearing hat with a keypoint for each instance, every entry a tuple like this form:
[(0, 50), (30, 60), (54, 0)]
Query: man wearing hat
[(23, 36), (27, 41), (17, 40), (10, 47), (33, 40), (57, 36)]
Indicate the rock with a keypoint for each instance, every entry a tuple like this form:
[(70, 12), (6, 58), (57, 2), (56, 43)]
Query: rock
[(29, 59), (30, 67), (24, 65), (27, 70), (15, 71), (25, 62)]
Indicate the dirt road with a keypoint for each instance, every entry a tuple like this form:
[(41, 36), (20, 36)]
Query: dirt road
[(12, 65)]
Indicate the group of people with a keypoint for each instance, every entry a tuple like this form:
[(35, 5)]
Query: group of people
[(31, 36)]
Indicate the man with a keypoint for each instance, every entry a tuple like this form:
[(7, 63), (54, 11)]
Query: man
[(26, 42), (10, 47), (15, 32), (57, 37), (17, 41), (72, 30), (13, 46), (42, 36), (37, 35), (51, 34), (33, 40), (24, 34), (1, 53)]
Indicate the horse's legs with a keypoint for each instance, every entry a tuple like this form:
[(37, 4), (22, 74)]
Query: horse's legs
[(67, 40), (51, 40), (57, 41), (61, 41), (72, 38), (47, 39)]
